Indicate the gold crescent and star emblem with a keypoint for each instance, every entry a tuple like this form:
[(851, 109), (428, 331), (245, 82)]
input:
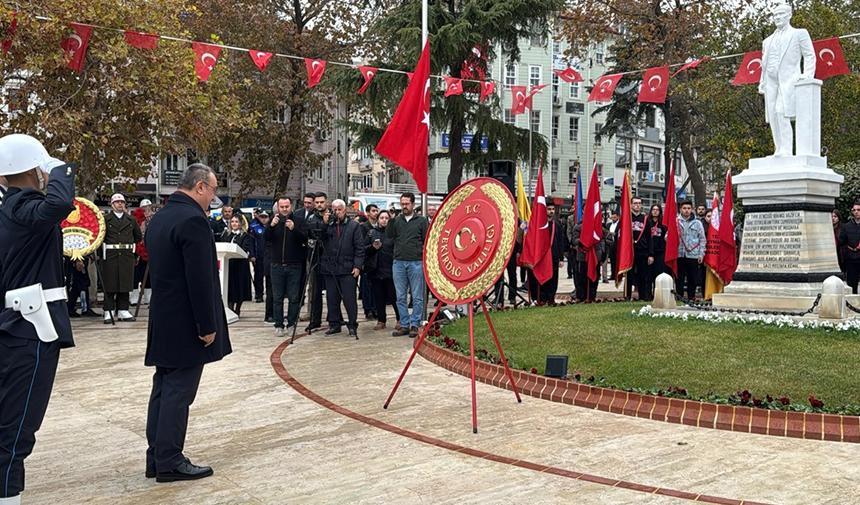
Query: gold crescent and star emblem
[(460, 233)]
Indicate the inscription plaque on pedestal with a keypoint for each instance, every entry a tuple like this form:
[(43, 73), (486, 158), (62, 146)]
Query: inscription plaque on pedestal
[(772, 241)]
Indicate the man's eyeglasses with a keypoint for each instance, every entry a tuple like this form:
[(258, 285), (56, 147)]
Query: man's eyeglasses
[(213, 188)]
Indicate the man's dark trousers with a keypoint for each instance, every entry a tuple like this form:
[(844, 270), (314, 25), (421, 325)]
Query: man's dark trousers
[(27, 370), (852, 274), (337, 288), (640, 267), (286, 282), (259, 282), (688, 269), (173, 391)]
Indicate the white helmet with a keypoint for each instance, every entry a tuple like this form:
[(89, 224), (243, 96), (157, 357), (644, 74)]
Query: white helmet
[(19, 153), (145, 203), (117, 198)]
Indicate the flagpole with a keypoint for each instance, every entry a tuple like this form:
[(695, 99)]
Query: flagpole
[(424, 207)]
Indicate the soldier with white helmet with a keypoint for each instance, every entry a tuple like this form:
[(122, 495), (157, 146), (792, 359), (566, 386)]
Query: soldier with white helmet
[(34, 319), (121, 234)]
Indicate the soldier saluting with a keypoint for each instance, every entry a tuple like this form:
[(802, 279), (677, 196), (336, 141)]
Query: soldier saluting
[(121, 234), (34, 319)]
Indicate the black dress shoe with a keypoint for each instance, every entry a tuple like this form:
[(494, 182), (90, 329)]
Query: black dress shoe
[(313, 327), (74, 314), (269, 320), (91, 313), (185, 471), (150, 472), (333, 331), (353, 332)]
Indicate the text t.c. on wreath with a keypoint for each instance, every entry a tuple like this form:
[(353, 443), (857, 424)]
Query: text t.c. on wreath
[(83, 229)]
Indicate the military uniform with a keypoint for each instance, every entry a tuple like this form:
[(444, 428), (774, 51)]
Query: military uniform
[(121, 233), (31, 262)]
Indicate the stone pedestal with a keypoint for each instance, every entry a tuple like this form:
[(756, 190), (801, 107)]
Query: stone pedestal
[(787, 247)]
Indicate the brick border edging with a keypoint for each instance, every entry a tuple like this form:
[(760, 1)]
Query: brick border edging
[(805, 425)]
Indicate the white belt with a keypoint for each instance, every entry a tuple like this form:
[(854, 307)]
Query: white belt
[(51, 295), (119, 246), (32, 302)]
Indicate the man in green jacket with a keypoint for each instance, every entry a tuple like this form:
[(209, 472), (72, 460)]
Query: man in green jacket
[(408, 231)]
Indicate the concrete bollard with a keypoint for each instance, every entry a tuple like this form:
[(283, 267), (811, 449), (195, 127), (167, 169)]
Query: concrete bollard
[(832, 305), (663, 297)]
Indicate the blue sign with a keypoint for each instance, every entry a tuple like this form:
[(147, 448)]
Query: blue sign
[(466, 141), (265, 203), (609, 181)]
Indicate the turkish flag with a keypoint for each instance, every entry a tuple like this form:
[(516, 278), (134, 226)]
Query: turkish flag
[(670, 221), (368, 73), (692, 64), (532, 93), (655, 85), (569, 75), (603, 88), (405, 140), (7, 43), (487, 88), (518, 100), (537, 241), (728, 249), (76, 45), (624, 233), (261, 58), (592, 225), (453, 86), (409, 76), (475, 65), (315, 71), (829, 58), (141, 40), (712, 243), (207, 56), (750, 70)]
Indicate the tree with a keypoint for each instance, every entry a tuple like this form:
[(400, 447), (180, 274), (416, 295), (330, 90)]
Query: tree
[(455, 29), (128, 106)]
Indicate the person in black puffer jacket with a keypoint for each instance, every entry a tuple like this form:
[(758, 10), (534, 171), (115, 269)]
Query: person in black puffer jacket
[(849, 238), (379, 268), (341, 262)]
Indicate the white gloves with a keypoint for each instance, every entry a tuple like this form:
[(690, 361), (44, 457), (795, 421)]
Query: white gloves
[(49, 164)]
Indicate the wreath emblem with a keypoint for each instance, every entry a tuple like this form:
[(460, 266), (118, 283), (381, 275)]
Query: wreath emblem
[(83, 229)]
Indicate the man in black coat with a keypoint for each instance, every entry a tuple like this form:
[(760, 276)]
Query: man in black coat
[(288, 237), (850, 239), (187, 323), (342, 259), (31, 275)]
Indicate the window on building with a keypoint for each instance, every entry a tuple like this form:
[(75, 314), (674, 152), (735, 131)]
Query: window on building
[(598, 141), (511, 74), (380, 180), (573, 168), (555, 87), (555, 120), (510, 119), (600, 171), (16, 97), (535, 115), (281, 115), (650, 155), (574, 129), (574, 90), (536, 41), (556, 47), (623, 152), (554, 173), (170, 163), (328, 173), (598, 53), (651, 117), (534, 75)]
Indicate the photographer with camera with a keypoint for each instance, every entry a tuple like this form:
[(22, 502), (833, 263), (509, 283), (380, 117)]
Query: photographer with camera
[(287, 234), (343, 257), (315, 282)]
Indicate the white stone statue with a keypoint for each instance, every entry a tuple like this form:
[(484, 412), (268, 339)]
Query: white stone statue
[(781, 54)]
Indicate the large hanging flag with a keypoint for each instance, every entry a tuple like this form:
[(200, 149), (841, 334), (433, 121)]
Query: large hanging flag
[(76, 45), (533, 92), (537, 241), (728, 249), (655, 85), (522, 201), (670, 221), (592, 225), (603, 88), (518, 100), (569, 75), (368, 73), (829, 58), (261, 58), (315, 71), (487, 88), (577, 196), (453, 86), (624, 233), (207, 56), (405, 140), (141, 40), (750, 70), (692, 64)]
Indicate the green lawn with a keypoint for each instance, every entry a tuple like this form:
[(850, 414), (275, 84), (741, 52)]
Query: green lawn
[(607, 341)]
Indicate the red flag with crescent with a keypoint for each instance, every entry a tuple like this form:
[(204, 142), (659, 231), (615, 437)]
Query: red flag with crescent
[(750, 70), (728, 249), (692, 64), (453, 86), (141, 40), (207, 56), (603, 88), (592, 225), (518, 100), (537, 241), (624, 233), (405, 140), (655, 85), (533, 92), (569, 75), (670, 221), (7, 43), (487, 88), (829, 58), (315, 71), (368, 73), (261, 58), (75, 45)]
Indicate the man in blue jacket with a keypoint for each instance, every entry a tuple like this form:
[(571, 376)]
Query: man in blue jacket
[(34, 319), (187, 323)]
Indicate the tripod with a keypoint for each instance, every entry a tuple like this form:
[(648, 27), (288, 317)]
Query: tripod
[(313, 263)]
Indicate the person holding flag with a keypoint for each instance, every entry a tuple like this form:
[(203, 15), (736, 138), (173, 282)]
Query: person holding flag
[(588, 238), (537, 243), (624, 238)]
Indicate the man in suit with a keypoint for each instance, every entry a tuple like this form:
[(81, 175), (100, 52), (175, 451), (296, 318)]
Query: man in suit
[(187, 324), (780, 60), (31, 275)]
